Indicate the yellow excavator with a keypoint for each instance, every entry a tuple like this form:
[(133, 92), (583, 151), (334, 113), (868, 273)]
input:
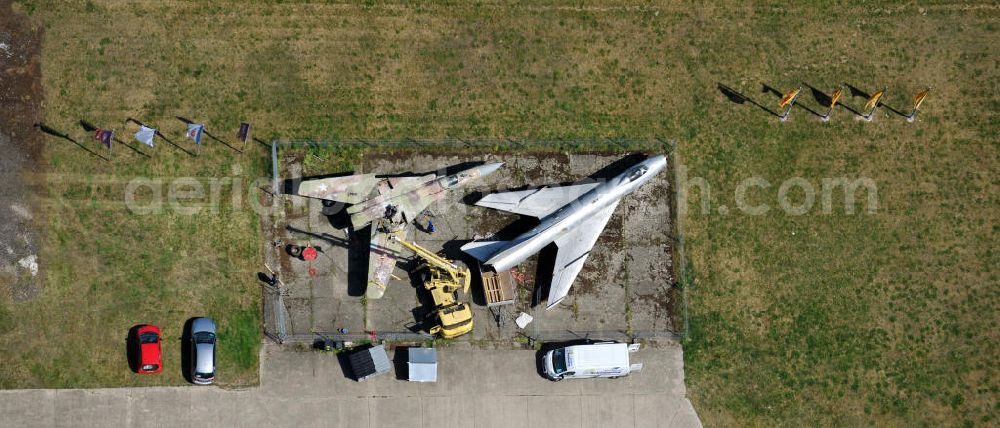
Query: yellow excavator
[(454, 317)]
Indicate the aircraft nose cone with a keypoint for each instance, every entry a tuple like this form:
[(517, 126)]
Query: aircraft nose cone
[(489, 168), (659, 161)]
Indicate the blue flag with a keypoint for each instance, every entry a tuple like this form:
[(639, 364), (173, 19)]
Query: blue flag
[(194, 132)]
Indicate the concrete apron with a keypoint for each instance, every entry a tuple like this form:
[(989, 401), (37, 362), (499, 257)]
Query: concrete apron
[(486, 388)]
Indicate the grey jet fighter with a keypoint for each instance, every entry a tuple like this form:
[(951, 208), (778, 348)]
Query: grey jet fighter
[(389, 205), (571, 216)]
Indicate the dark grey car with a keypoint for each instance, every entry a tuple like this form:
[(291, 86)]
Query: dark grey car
[(203, 351)]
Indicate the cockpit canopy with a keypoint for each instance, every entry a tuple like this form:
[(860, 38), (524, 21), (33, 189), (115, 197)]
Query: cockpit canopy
[(637, 172)]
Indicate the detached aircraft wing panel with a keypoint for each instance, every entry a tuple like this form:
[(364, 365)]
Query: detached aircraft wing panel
[(536, 202), (382, 259), (574, 247), (350, 189)]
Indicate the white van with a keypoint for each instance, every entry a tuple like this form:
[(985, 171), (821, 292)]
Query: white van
[(586, 361)]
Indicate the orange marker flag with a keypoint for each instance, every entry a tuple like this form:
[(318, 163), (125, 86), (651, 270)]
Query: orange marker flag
[(873, 101), (835, 96), (789, 97), (919, 99)]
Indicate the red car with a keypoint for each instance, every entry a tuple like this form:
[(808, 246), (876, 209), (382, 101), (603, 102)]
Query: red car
[(150, 361)]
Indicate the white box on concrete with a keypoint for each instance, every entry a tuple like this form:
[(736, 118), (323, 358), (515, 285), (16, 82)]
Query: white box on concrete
[(422, 364)]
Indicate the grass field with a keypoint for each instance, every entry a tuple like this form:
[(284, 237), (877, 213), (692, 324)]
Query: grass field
[(812, 319)]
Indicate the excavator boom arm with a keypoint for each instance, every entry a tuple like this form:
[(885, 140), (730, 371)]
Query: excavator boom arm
[(437, 261)]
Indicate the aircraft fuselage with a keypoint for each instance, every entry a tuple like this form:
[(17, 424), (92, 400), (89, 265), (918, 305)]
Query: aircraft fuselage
[(563, 220)]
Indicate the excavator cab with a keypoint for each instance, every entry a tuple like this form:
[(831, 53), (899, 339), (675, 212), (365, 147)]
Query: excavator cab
[(446, 279)]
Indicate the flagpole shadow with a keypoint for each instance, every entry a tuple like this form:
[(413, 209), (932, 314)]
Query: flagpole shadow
[(223, 142), (822, 98), (808, 110), (132, 148), (765, 88), (890, 108), (160, 134), (164, 137), (261, 142), (51, 131), (855, 92), (89, 127), (739, 98), (208, 134)]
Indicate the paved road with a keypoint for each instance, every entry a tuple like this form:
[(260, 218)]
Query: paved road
[(475, 389)]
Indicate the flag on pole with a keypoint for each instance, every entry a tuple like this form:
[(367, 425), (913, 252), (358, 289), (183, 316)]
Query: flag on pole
[(244, 132), (145, 135), (194, 132), (835, 96), (789, 97), (919, 99), (104, 136), (873, 101)]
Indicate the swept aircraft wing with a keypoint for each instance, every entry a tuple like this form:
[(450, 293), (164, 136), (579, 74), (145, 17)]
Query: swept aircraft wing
[(409, 195), (538, 202), (382, 260), (350, 189), (573, 248)]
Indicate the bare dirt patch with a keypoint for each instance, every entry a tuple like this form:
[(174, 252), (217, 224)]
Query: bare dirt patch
[(21, 146)]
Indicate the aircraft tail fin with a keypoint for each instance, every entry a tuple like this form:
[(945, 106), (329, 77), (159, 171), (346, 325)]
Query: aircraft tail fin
[(484, 250)]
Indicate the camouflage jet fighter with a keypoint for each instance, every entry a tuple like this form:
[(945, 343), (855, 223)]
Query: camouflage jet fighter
[(389, 205)]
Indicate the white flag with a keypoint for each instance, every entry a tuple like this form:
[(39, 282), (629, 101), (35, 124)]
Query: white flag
[(145, 136)]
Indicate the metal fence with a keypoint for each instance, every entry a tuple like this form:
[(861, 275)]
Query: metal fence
[(275, 314), (482, 146), (526, 338)]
